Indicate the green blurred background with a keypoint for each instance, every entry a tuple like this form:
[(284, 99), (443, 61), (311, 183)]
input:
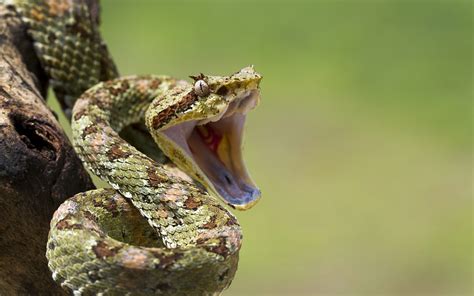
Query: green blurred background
[(362, 142)]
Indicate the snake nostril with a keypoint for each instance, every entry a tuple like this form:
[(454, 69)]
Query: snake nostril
[(222, 91)]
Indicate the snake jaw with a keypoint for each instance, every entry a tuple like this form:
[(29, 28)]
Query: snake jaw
[(209, 146)]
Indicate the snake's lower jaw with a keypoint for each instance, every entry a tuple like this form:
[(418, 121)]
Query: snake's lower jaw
[(248, 205)]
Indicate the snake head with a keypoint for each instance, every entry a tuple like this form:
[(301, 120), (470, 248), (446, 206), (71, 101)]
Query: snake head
[(200, 128)]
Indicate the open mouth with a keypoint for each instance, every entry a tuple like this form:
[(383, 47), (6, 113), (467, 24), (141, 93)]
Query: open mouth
[(215, 146)]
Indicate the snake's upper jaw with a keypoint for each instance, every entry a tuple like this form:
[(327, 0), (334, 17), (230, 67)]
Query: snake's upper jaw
[(212, 151)]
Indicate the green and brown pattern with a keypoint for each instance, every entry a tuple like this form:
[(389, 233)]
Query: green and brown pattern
[(99, 243), (68, 44)]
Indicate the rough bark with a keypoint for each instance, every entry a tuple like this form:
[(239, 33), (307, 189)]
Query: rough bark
[(38, 167)]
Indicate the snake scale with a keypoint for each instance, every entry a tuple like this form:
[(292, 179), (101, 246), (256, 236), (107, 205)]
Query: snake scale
[(161, 228)]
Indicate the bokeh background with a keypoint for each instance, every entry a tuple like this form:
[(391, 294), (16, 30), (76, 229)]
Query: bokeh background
[(362, 142)]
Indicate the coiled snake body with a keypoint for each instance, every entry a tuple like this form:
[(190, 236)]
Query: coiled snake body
[(157, 231)]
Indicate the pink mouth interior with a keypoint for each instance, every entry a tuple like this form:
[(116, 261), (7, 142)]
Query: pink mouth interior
[(224, 167)]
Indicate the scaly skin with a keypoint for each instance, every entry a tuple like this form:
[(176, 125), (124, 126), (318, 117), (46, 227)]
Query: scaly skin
[(100, 241), (68, 45)]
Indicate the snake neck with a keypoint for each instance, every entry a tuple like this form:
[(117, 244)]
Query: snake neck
[(181, 212)]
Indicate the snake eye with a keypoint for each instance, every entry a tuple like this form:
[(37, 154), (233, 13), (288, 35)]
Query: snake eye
[(201, 88)]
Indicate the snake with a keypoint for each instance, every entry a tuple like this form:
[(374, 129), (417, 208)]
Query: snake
[(163, 228)]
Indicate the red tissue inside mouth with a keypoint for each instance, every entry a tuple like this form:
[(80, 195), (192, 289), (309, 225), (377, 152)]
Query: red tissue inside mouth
[(210, 137)]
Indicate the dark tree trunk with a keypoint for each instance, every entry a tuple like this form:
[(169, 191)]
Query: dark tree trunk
[(38, 167)]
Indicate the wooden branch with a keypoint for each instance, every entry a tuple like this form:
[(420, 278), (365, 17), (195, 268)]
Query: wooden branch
[(38, 167)]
